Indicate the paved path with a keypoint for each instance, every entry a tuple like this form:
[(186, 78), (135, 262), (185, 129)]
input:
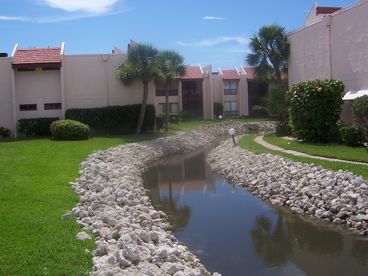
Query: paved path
[(259, 140)]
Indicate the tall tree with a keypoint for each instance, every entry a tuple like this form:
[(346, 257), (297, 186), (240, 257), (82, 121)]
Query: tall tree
[(171, 66), (269, 46), (141, 65)]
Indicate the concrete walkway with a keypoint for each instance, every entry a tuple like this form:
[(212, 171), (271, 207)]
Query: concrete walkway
[(259, 140)]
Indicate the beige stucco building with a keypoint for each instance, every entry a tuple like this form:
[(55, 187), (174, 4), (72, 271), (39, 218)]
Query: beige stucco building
[(333, 44), (44, 82)]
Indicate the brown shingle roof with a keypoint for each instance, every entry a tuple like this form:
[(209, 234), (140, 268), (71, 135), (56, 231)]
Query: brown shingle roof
[(230, 74), (192, 72), (37, 56)]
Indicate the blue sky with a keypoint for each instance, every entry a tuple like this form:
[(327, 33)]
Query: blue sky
[(204, 31)]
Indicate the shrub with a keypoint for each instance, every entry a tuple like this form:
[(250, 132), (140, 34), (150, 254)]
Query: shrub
[(259, 111), (35, 127), (69, 130), (4, 132), (113, 119), (360, 111), (352, 136), (184, 116), (283, 129), (160, 122), (314, 109), (276, 101), (218, 109)]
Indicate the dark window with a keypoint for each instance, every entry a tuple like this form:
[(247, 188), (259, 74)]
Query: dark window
[(230, 87), (26, 69), (173, 108), (27, 107), (173, 89), (231, 109), (52, 106)]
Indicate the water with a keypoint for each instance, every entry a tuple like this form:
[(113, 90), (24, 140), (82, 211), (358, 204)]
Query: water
[(236, 233)]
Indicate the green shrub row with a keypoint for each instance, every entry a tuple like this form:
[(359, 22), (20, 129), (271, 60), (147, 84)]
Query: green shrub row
[(360, 111), (314, 109), (113, 119), (35, 126), (4, 132), (352, 136), (69, 130)]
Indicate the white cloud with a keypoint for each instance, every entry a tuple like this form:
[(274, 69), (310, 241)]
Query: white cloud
[(14, 18), (212, 18), (91, 6), (242, 40)]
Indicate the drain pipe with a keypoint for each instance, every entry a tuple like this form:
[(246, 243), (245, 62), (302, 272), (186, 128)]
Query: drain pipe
[(329, 26)]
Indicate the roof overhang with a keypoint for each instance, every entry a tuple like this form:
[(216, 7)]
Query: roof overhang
[(49, 65), (351, 95)]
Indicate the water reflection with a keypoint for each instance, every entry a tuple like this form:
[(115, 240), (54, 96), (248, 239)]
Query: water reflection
[(236, 233)]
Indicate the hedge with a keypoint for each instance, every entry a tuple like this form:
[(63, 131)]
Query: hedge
[(352, 136), (35, 126), (360, 111), (113, 119), (314, 109), (69, 130)]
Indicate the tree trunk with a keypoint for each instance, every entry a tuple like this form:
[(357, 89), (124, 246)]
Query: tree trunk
[(143, 108), (167, 107)]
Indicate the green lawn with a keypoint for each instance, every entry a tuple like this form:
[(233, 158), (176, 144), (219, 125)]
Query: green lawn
[(359, 154), (34, 193), (189, 125), (248, 143)]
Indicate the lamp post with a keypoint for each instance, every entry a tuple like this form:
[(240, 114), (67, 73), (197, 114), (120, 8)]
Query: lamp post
[(220, 117), (232, 134)]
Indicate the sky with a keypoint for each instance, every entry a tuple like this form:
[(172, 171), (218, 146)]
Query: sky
[(205, 32)]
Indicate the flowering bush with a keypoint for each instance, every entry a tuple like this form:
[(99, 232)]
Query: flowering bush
[(314, 109)]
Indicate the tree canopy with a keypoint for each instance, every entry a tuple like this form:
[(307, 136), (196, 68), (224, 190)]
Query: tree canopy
[(269, 47)]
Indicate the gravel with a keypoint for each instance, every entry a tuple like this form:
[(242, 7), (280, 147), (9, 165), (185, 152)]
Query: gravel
[(338, 197), (132, 238)]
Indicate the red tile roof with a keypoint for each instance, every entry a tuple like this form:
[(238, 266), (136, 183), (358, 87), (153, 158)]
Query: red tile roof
[(230, 74), (37, 56), (250, 73), (326, 10), (192, 72)]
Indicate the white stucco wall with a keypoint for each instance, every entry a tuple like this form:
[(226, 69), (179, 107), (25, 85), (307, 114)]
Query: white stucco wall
[(6, 105), (309, 53), (37, 87), (91, 81), (349, 34), (311, 49)]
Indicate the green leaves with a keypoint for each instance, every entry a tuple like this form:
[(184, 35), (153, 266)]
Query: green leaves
[(314, 109), (269, 46)]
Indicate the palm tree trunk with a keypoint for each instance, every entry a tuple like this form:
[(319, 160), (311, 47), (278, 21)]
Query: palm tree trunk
[(167, 107), (143, 108)]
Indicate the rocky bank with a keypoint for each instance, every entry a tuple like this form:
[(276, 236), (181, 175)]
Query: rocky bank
[(338, 197), (132, 238)]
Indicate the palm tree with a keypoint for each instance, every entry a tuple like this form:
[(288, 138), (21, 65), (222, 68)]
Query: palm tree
[(269, 46), (141, 65), (171, 66)]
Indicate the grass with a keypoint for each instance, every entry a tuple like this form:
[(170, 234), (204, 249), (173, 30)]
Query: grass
[(189, 125), (247, 142), (34, 193), (359, 154)]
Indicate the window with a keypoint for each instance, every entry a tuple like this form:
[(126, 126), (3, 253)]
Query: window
[(173, 108), (52, 106), (230, 87), (173, 90), (231, 109), (27, 107)]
